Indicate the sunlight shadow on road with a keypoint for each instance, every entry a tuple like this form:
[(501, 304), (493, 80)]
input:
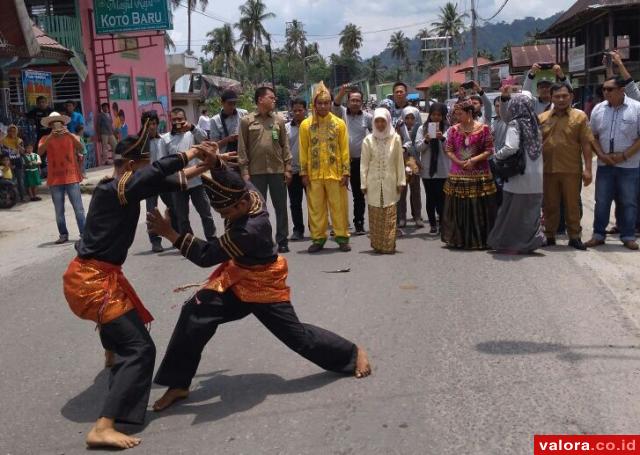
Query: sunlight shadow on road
[(240, 393), (514, 257), (85, 407), (567, 353)]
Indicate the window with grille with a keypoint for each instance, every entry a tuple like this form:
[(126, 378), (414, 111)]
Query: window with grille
[(146, 89), (120, 88)]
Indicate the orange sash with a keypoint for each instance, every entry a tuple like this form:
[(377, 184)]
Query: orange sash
[(98, 291), (255, 284)]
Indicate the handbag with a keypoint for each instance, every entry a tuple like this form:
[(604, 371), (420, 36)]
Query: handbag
[(510, 166)]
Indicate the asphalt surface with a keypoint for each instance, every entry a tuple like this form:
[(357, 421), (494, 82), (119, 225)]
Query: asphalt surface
[(473, 354)]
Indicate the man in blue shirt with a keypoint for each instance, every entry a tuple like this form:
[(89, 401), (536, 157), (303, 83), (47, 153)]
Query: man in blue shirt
[(76, 117), (616, 125)]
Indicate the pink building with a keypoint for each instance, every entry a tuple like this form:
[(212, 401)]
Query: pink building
[(129, 69)]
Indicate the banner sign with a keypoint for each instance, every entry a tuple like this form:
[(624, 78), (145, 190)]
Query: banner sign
[(117, 16), (35, 84)]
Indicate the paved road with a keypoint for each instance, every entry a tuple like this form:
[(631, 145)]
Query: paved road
[(473, 354)]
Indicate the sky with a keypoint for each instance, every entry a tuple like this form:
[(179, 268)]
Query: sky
[(326, 18)]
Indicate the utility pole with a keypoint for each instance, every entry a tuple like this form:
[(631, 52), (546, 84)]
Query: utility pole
[(273, 78), (474, 40)]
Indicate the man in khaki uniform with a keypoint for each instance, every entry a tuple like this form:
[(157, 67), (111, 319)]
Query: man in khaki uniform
[(265, 158), (567, 140)]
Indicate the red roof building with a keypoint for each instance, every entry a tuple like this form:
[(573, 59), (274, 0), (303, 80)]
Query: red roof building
[(440, 77)]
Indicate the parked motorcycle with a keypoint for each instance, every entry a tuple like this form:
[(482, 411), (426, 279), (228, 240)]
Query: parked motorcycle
[(8, 194)]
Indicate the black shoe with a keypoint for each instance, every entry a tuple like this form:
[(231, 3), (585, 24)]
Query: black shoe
[(344, 247), (360, 229), (62, 239), (550, 242), (157, 248), (296, 236), (433, 230), (577, 244), (315, 247), (283, 249)]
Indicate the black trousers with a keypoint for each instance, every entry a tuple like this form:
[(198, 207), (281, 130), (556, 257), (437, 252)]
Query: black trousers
[(130, 380), (358, 196), (203, 207), (296, 194), (152, 203), (434, 192), (415, 200), (202, 314), (275, 185)]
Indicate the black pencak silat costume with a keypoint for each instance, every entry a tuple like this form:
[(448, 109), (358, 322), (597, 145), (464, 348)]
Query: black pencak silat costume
[(250, 280), (97, 290)]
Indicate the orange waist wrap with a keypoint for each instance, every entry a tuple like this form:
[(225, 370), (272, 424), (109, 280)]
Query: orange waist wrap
[(99, 291), (253, 284)]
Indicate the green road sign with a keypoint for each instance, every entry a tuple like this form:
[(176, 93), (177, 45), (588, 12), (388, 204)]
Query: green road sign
[(115, 16)]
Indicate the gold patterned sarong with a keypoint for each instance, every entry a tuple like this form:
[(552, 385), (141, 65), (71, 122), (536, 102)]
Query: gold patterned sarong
[(253, 284), (382, 228), (98, 291)]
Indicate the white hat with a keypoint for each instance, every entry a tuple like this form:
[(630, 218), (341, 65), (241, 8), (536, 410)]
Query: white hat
[(54, 117)]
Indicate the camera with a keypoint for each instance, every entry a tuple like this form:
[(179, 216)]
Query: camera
[(545, 66), (467, 85)]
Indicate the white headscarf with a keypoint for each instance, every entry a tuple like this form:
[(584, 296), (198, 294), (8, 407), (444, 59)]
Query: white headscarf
[(412, 110), (383, 113)]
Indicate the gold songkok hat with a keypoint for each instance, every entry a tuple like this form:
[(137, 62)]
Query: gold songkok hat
[(321, 92)]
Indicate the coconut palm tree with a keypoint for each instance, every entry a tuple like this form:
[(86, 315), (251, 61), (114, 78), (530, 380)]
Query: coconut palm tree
[(221, 47), (252, 15), (374, 70), (351, 40), (423, 33), (399, 46), (296, 39), (450, 21), (191, 4)]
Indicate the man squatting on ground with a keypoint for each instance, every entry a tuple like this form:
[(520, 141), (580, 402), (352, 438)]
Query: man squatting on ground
[(97, 290), (251, 279)]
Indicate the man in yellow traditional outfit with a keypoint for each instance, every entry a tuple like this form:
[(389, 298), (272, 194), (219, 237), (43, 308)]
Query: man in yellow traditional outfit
[(325, 168)]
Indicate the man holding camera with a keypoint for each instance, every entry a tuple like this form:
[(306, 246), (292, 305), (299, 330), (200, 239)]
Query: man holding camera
[(182, 137), (543, 102), (226, 124), (62, 149)]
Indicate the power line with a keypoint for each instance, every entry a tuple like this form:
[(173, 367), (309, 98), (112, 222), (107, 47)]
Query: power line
[(496, 13)]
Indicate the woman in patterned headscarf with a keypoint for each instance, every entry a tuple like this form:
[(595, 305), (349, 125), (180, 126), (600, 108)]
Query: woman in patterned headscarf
[(517, 228), (470, 194)]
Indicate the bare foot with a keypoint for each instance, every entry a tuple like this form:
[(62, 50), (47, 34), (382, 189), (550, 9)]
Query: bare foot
[(109, 359), (363, 367), (170, 397), (104, 435)]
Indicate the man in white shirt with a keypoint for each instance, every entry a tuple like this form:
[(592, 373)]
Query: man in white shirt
[(226, 124), (616, 125), (157, 150), (204, 121), (181, 138)]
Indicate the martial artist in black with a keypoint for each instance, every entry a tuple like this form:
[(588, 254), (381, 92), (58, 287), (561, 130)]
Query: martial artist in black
[(97, 290), (251, 280)]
